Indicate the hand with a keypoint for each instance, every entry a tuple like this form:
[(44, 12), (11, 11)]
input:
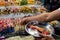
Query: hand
[(48, 38), (24, 20), (45, 38)]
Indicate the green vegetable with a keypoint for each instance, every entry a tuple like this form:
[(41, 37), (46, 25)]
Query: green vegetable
[(24, 2)]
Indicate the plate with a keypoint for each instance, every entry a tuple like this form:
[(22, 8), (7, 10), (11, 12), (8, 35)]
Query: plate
[(36, 33)]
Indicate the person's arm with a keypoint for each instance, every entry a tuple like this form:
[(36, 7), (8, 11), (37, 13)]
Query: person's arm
[(55, 15)]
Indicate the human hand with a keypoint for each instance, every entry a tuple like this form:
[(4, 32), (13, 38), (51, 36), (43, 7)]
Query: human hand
[(45, 38), (24, 20), (48, 38)]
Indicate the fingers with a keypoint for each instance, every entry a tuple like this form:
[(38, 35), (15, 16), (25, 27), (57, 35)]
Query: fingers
[(23, 21), (43, 39), (50, 38), (46, 37)]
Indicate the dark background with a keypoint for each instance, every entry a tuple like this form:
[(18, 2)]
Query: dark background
[(51, 5)]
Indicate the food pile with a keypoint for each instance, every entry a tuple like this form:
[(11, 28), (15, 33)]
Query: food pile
[(22, 9), (25, 9), (16, 2), (8, 25)]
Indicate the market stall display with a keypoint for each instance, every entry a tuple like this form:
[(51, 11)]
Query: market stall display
[(12, 11), (10, 16)]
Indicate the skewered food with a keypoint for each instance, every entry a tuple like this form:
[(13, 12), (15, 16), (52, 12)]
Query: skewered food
[(40, 29)]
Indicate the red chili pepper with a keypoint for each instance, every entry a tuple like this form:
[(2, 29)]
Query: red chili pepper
[(46, 33)]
